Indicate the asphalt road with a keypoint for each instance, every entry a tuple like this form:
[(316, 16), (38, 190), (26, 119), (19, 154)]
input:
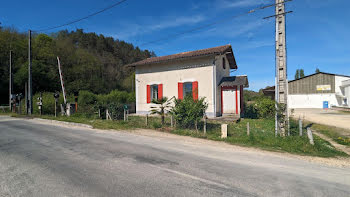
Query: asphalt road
[(47, 160)]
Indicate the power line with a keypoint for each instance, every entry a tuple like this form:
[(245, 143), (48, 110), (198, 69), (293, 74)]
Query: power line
[(83, 18), (212, 24)]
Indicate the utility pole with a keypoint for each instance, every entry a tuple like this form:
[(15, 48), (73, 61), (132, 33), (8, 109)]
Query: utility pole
[(30, 85), (10, 82), (281, 69), (281, 88)]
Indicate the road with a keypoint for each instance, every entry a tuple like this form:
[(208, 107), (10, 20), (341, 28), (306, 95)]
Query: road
[(47, 160), (326, 117)]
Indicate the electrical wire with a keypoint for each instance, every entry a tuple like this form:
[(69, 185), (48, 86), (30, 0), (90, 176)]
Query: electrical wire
[(83, 18), (212, 24)]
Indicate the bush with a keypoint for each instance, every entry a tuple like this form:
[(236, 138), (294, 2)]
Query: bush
[(265, 107), (188, 112), (262, 108), (86, 101)]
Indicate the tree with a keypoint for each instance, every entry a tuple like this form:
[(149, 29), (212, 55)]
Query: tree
[(163, 105), (297, 74), (301, 73), (317, 70)]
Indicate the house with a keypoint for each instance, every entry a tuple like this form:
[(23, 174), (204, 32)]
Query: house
[(201, 73), (319, 90)]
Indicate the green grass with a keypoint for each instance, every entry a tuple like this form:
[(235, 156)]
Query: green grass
[(261, 133), (337, 134)]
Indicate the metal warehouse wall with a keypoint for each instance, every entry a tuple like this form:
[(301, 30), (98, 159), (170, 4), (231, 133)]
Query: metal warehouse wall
[(308, 85)]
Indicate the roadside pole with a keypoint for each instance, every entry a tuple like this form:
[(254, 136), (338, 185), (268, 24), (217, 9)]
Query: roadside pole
[(30, 86), (10, 82)]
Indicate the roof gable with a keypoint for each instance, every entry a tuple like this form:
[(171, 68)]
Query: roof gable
[(220, 50)]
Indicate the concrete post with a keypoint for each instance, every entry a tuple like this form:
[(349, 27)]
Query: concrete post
[(309, 135), (224, 131), (248, 129), (300, 127)]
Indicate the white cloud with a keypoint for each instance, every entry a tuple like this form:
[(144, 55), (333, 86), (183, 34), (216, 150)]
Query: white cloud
[(132, 30), (240, 3)]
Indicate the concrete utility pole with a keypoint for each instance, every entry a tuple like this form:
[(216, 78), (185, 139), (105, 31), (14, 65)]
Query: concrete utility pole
[(30, 86), (281, 87), (281, 68), (10, 82)]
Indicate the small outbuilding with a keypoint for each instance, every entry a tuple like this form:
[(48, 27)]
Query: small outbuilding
[(201, 73)]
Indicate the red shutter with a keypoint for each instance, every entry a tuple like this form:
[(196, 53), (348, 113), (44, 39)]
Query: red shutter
[(160, 91), (180, 90), (148, 94), (195, 90)]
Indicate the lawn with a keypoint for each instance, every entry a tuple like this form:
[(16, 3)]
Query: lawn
[(339, 135), (261, 133)]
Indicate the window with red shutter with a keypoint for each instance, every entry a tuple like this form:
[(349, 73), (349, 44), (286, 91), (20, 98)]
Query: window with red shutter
[(148, 94), (180, 90), (160, 91), (195, 90)]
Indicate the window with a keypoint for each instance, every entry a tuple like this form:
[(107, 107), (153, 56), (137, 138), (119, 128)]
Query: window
[(154, 92), (187, 89), (223, 63)]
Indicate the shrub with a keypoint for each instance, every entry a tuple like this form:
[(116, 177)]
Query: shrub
[(265, 108), (188, 112), (162, 107), (86, 101)]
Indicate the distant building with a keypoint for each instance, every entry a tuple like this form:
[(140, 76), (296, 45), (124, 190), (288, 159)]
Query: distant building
[(319, 90), (201, 73)]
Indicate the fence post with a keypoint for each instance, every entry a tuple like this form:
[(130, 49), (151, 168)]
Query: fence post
[(248, 129), (300, 127), (146, 119), (108, 116), (127, 115), (309, 135), (124, 115), (172, 121), (224, 131), (205, 124)]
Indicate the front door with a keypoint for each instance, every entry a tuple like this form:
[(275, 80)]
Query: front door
[(229, 101)]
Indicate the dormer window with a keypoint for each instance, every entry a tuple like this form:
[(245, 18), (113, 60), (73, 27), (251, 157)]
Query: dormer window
[(223, 63)]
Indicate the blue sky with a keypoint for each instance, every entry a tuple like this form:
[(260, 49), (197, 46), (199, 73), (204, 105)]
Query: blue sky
[(317, 32)]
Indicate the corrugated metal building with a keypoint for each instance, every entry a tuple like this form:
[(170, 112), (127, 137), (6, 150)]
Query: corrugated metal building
[(319, 90)]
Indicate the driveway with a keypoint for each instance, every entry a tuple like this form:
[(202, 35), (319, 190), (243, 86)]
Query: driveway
[(326, 117), (48, 160)]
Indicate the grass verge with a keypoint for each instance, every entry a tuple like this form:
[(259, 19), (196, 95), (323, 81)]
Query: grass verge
[(341, 136), (261, 133)]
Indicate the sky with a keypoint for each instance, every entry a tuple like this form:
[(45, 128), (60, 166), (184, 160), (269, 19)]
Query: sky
[(317, 30)]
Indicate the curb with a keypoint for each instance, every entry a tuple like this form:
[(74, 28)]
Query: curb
[(63, 122)]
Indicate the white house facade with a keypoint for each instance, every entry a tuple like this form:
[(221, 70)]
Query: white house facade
[(201, 73)]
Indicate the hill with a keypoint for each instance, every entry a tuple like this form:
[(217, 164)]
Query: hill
[(90, 61)]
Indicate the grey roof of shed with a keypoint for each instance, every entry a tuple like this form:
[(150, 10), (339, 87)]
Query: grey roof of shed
[(220, 50), (235, 81)]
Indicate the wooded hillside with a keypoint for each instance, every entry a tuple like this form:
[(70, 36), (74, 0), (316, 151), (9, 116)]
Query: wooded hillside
[(90, 62)]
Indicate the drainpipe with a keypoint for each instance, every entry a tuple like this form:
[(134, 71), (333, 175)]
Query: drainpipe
[(214, 85)]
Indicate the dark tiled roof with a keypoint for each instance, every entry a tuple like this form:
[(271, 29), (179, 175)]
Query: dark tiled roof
[(186, 55), (234, 81)]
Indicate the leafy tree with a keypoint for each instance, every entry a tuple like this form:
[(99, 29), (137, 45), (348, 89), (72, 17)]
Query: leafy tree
[(317, 70), (297, 74), (301, 72), (163, 105)]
